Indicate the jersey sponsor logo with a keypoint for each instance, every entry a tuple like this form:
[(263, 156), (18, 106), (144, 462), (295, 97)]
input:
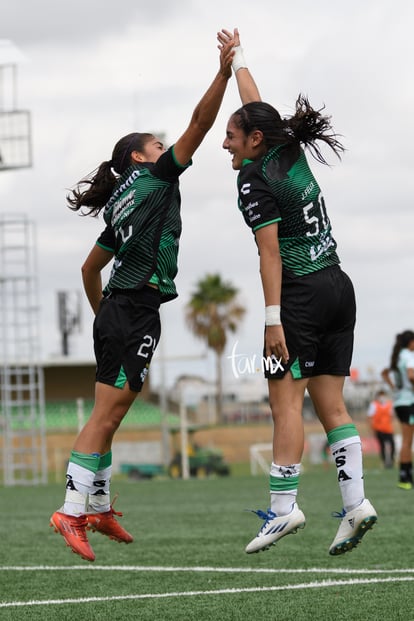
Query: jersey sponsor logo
[(320, 249), (307, 191), (122, 208), (254, 217), (251, 215), (309, 364), (128, 182), (245, 189)]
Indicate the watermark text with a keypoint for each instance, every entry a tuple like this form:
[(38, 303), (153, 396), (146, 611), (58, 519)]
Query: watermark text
[(243, 364)]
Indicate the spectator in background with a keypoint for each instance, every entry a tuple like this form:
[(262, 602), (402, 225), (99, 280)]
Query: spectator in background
[(380, 415), (400, 378)]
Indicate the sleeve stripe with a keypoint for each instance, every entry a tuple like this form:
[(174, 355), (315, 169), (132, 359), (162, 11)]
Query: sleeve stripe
[(260, 226), (105, 247), (178, 163)]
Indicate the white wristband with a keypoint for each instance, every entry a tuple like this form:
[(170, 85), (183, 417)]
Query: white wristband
[(272, 316), (238, 61)]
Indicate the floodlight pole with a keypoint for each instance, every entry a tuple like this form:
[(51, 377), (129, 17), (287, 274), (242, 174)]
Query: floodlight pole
[(15, 123), (69, 319)]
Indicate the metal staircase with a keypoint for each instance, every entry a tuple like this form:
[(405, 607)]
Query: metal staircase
[(22, 413)]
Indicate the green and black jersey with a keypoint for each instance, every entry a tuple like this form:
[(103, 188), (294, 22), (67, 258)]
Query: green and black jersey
[(143, 226), (280, 187)]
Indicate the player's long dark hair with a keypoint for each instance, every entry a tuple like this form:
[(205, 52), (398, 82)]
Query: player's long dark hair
[(94, 190), (306, 126), (401, 342)]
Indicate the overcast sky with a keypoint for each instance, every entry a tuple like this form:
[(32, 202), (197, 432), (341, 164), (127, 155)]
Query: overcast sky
[(98, 70)]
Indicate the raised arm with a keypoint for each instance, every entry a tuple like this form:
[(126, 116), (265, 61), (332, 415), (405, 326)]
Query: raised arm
[(206, 111), (247, 86)]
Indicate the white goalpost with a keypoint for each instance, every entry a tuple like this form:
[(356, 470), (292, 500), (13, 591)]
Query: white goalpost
[(258, 461)]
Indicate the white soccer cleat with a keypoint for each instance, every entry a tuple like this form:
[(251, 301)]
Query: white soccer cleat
[(275, 527), (354, 525)]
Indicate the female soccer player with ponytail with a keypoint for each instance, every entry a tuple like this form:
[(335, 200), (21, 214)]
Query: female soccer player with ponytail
[(138, 191), (309, 301)]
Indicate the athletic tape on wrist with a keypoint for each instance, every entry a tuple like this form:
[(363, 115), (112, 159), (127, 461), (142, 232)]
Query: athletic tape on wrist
[(272, 316), (238, 61)]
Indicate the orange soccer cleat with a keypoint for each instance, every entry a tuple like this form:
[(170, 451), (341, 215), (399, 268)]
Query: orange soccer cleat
[(73, 530), (106, 524)]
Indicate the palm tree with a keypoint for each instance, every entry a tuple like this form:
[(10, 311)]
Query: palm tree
[(211, 314)]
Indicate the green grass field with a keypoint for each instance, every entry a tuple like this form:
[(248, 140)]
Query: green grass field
[(188, 561)]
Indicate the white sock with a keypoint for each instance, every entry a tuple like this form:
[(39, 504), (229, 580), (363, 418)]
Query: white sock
[(99, 494), (283, 487), (78, 483), (347, 454)]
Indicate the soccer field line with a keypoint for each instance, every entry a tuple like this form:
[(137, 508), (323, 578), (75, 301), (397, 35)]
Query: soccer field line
[(233, 591), (235, 570)]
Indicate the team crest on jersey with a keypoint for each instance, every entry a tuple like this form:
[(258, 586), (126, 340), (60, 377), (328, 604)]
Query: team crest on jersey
[(144, 373)]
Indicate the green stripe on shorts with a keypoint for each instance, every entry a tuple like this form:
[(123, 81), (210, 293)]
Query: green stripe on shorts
[(295, 370), (121, 380)]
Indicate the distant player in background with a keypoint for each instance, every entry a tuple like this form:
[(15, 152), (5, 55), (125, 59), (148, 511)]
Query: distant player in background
[(400, 378), (309, 302), (138, 191), (380, 417)]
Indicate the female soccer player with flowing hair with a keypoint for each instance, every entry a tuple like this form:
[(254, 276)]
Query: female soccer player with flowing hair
[(309, 301), (138, 192)]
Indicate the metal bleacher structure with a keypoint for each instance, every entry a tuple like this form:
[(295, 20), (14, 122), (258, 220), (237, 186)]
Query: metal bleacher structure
[(22, 419)]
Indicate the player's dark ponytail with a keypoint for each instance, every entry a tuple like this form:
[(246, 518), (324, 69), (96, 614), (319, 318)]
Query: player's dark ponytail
[(309, 126), (306, 126), (94, 190)]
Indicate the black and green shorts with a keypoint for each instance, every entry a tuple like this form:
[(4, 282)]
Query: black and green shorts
[(318, 318), (126, 332), (405, 413)]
